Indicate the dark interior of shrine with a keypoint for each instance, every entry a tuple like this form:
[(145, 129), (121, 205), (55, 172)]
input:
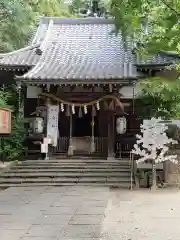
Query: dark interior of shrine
[(82, 126)]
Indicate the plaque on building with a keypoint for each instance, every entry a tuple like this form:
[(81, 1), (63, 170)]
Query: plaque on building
[(5, 121)]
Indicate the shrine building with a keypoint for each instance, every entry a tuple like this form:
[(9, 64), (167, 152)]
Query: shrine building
[(84, 68)]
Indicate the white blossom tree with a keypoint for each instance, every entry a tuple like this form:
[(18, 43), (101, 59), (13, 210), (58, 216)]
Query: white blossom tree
[(153, 144)]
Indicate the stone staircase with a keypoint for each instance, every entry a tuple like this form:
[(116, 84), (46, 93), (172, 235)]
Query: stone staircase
[(94, 172)]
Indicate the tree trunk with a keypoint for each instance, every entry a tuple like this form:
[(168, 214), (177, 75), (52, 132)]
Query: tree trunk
[(154, 184)]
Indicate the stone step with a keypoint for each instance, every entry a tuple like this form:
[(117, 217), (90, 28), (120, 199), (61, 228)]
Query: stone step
[(53, 171), (68, 172), (65, 169), (63, 180), (62, 174), (72, 170), (84, 160), (78, 156), (74, 164), (110, 185), (44, 162)]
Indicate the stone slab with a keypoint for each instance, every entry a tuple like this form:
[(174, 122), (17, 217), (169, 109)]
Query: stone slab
[(11, 234), (86, 220), (89, 213), (39, 238), (91, 210), (44, 231), (62, 219), (79, 231), (61, 210)]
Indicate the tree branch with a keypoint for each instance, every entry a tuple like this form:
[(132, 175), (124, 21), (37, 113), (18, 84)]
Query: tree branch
[(172, 9)]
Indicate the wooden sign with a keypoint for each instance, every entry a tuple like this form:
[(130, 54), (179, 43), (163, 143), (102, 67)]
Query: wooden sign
[(5, 121)]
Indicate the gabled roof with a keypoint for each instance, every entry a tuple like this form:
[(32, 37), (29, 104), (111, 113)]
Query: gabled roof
[(27, 56), (74, 50), (79, 49)]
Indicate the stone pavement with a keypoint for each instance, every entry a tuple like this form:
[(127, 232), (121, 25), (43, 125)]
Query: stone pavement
[(89, 213)]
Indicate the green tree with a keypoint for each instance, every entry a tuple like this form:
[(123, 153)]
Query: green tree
[(75, 5), (11, 146), (54, 8), (154, 23), (16, 18), (161, 98)]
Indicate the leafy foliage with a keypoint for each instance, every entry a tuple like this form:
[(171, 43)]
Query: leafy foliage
[(155, 23), (76, 5), (161, 97), (18, 17), (53, 8), (11, 146)]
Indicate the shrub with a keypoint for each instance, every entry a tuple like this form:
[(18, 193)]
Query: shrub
[(11, 146)]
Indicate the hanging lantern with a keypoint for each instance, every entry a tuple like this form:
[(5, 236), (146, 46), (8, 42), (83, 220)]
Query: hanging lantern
[(121, 125), (73, 109), (98, 106), (62, 107), (38, 125), (85, 109)]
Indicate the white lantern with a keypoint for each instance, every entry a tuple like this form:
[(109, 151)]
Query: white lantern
[(121, 125), (38, 125)]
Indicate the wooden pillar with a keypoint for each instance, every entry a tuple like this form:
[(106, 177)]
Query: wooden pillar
[(103, 131), (111, 135), (92, 132), (48, 101), (20, 90), (70, 149)]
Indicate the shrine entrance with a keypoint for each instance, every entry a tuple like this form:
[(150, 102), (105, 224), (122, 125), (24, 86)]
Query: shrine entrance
[(86, 128), (82, 127)]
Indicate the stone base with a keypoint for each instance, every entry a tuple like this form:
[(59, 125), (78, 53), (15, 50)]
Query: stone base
[(110, 158), (70, 151)]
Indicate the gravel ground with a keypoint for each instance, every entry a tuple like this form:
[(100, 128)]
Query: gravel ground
[(76, 213)]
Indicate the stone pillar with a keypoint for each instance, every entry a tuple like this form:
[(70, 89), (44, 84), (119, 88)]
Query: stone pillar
[(111, 136)]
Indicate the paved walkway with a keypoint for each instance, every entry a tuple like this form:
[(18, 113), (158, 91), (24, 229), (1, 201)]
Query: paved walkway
[(86, 213)]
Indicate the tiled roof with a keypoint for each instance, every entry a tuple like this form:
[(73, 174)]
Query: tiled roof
[(27, 56), (24, 57), (161, 58), (79, 49)]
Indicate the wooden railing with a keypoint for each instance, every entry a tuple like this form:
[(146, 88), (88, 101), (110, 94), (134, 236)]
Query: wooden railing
[(124, 147), (100, 144), (63, 145)]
